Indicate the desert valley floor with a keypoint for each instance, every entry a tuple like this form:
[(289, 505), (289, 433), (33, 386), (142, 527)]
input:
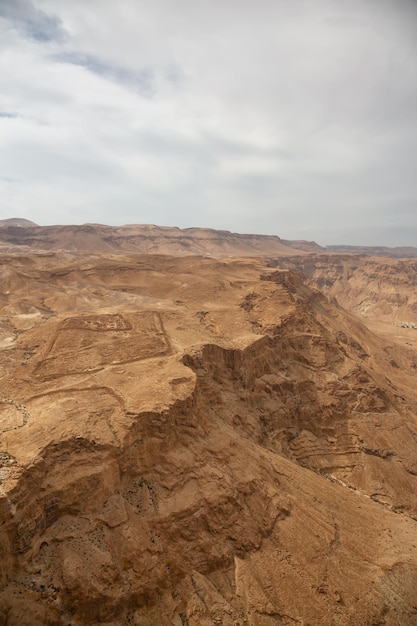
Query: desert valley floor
[(207, 436)]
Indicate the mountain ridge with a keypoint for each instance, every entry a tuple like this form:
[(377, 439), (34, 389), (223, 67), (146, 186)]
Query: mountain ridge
[(148, 238), (17, 222), (380, 251), (136, 238)]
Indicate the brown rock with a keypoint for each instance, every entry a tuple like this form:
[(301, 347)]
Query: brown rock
[(190, 441)]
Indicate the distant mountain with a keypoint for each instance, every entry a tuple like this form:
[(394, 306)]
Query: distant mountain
[(17, 221), (147, 238), (152, 239), (396, 253), (300, 244)]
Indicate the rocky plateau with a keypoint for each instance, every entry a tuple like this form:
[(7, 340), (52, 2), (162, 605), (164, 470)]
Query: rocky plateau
[(201, 428)]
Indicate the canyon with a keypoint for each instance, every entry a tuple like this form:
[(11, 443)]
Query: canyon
[(203, 428)]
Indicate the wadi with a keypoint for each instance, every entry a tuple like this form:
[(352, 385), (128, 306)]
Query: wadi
[(202, 428)]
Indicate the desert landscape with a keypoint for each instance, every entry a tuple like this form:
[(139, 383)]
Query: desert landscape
[(203, 428)]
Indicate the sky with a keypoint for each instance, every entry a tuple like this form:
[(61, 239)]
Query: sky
[(295, 118)]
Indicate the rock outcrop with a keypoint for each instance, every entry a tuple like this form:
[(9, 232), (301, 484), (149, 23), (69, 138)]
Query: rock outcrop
[(190, 441), (376, 289)]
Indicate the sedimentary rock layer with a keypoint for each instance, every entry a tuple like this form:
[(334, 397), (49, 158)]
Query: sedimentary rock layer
[(191, 441)]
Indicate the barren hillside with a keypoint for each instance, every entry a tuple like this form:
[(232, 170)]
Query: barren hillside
[(381, 291), (192, 441), (144, 238)]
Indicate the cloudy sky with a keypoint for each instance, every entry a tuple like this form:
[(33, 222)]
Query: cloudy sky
[(289, 117)]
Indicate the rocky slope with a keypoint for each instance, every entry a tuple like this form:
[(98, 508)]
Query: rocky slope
[(376, 289), (190, 441)]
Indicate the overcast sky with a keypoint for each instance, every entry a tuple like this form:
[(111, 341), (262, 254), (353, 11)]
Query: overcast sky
[(289, 117)]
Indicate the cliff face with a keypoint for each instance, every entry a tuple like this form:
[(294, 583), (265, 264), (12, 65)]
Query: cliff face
[(377, 289), (192, 442)]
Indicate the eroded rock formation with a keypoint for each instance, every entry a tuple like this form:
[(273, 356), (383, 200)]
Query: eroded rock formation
[(192, 442)]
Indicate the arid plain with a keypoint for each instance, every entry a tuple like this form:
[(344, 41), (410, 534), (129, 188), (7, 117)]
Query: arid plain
[(199, 428)]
